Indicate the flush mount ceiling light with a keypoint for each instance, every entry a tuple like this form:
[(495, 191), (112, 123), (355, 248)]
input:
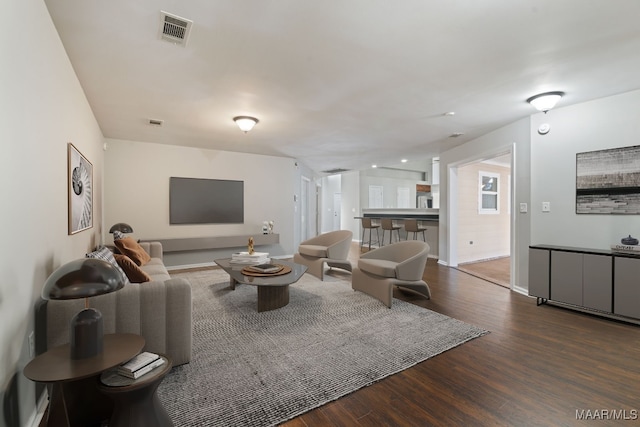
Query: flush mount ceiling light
[(245, 123), (545, 101)]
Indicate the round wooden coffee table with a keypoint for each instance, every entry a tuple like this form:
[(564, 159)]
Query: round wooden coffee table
[(273, 290)]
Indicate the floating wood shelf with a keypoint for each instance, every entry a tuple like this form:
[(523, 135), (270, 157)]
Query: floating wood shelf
[(217, 242)]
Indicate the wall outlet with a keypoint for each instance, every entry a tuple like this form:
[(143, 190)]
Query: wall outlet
[(32, 344), (546, 206), (523, 208)]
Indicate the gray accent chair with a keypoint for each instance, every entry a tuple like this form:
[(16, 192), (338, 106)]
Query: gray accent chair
[(331, 248), (400, 264)]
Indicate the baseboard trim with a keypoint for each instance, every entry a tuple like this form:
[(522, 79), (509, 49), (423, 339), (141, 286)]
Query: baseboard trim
[(36, 417)]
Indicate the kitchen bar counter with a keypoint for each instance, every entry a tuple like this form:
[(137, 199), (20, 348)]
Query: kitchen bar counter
[(421, 214), (426, 217)]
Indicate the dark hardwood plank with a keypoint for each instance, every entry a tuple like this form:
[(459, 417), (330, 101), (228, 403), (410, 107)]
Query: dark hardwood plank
[(536, 367), (496, 270)]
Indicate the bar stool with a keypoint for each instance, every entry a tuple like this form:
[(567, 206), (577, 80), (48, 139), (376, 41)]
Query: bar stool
[(412, 226), (367, 224), (388, 225)]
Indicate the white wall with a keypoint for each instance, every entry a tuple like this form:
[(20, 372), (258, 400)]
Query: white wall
[(390, 180), (137, 192), (42, 108), (604, 123)]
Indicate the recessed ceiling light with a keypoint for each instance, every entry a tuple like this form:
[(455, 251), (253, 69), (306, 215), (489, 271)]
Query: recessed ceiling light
[(450, 113), (374, 166), (404, 160), (456, 134)]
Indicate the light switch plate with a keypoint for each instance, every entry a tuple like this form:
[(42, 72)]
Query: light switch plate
[(523, 208), (546, 206)]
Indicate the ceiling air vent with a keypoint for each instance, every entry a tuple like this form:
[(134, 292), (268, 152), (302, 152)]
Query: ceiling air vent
[(336, 170), (174, 29)]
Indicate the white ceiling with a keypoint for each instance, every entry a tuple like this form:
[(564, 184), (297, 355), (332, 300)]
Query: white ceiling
[(342, 83)]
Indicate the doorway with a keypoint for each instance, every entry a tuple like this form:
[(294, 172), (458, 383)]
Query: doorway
[(305, 223), (484, 218), (337, 207)]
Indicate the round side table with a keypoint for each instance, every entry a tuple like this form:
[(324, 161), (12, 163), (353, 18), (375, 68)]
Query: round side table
[(74, 398), (136, 403)]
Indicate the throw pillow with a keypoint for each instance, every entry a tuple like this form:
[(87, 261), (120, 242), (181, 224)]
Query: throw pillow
[(105, 254), (117, 235), (133, 250), (134, 273)]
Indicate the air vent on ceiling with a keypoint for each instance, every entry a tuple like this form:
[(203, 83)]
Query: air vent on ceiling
[(174, 29), (156, 122), (336, 170), (456, 134)]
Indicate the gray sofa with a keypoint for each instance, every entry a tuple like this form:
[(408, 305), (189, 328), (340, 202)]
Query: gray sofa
[(159, 310)]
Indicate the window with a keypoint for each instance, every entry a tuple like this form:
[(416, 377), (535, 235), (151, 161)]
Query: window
[(375, 197), (488, 196)]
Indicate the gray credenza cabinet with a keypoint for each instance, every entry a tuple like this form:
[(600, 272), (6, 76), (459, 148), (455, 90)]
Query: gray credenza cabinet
[(594, 280)]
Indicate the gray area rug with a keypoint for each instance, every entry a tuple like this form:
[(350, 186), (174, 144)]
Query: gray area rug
[(261, 369)]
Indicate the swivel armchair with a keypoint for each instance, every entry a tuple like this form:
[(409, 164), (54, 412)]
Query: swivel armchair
[(331, 248), (400, 264)]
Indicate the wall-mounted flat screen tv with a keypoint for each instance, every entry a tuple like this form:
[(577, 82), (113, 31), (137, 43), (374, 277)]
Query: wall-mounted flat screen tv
[(206, 201)]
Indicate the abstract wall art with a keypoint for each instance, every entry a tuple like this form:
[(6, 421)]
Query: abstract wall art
[(608, 181)]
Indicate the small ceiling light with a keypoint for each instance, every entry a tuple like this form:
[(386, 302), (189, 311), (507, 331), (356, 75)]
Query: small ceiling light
[(450, 113), (374, 166), (404, 160), (545, 101), (245, 123)]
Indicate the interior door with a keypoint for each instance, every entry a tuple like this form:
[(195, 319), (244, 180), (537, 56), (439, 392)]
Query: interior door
[(337, 205), (304, 209)]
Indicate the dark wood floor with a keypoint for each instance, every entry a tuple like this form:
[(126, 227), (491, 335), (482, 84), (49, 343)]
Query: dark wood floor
[(539, 366), (496, 271)]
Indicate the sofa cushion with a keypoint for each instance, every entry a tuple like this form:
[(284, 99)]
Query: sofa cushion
[(131, 269), (313, 250), (379, 267), (156, 269), (133, 250), (105, 254)]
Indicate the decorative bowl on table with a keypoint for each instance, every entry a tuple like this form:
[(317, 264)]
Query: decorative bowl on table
[(631, 241)]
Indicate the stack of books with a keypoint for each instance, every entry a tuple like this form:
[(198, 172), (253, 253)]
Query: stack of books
[(627, 249), (247, 258), (141, 364)]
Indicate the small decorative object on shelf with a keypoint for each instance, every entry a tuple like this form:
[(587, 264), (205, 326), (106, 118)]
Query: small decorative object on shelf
[(629, 240), (265, 227), (270, 227), (250, 246)]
